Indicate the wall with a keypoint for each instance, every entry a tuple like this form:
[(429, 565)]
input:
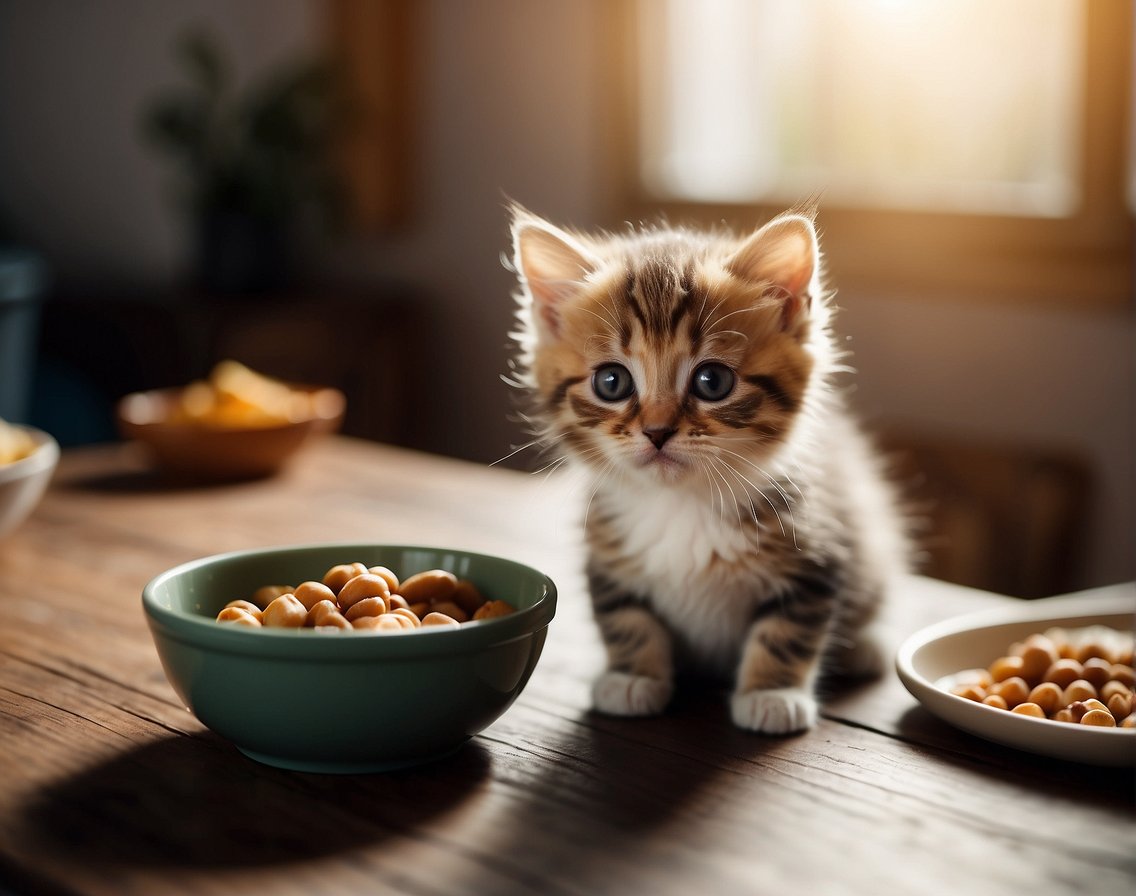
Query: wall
[(510, 97)]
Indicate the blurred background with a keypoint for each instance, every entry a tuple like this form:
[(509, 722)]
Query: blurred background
[(318, 189)]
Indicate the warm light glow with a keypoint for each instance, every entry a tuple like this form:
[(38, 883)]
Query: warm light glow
[(960, 105)]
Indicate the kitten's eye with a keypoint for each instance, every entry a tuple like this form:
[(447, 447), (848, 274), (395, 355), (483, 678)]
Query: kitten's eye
[(713, 381), (613, 382)]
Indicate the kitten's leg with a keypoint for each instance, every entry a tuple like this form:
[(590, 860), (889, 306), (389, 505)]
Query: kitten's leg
[(860, 654), (774, 691), (639, 680)]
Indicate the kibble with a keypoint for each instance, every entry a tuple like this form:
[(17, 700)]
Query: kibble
[(284, 612), (1073, 676), (239, 616), (312, 593), (355, 597)]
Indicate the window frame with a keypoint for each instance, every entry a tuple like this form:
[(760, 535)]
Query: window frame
[(1082, 260)]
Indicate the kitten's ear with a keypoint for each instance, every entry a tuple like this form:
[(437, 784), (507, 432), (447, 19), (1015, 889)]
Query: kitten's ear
[(784, 255), (552, 266)]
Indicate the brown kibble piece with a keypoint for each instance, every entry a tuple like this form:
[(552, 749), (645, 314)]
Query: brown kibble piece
[(285, 612), (387, 575), (1048, 696), (1125, 674), (1079, 690), (368, 606), (1035, 660), (429, 586), (449, 608), (384, 623), (1099, 718), (1109, 688), (246, 605), (396, 601), (978, 677), (1012, 690), (1091, 649), (262, 597), (1064, 672), (494, 609), (1006, 667), (1078, 709), (363, 586), (311, 593), (320, 611), (335, 621), (966, 691), (338, 576), (1096, 671), (1120, 705), (239, 616), (440, 619), (467, 596), (412, 621)]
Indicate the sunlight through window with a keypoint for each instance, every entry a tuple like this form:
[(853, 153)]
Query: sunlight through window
[(948, 105)]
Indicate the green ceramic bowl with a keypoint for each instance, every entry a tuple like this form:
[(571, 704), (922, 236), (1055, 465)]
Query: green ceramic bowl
[(345, 702)]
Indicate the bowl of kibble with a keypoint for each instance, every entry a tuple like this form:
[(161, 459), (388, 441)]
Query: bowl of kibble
[(1053, 677), (28, 457), (235, 424), (349, 658)]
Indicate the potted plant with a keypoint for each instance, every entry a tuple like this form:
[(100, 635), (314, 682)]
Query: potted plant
[(254, 164)]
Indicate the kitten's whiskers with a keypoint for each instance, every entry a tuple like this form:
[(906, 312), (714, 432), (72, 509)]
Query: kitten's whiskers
[(760, 491)]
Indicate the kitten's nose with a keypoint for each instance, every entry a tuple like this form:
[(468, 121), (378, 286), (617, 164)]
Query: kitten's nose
[(659, 435)]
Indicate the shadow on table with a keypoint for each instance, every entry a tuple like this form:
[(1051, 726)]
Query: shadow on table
[(195, 801), (145, 481), (628, 804)]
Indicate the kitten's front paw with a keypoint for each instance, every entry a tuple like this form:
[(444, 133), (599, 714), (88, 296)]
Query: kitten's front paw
[(622, 694), (780, 711)]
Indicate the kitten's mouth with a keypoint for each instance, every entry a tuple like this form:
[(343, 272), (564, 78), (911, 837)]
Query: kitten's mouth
[(661, 460)]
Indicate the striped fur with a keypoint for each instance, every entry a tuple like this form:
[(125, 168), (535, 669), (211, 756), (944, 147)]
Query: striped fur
[(748, 536)]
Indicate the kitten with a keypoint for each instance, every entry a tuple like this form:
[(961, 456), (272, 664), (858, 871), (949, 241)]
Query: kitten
[(739, 525)]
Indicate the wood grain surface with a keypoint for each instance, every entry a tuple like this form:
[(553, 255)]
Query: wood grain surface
[(109, 786)]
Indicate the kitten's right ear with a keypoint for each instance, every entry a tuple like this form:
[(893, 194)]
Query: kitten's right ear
[(552, 266)]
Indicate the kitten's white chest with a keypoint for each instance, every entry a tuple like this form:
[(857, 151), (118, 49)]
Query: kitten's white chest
[(677, 536), (695, 561)]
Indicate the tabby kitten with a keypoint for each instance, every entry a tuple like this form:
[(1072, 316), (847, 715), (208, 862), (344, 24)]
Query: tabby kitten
[(738, 524)]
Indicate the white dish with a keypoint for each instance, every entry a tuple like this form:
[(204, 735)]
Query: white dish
[(23, 482), (974, 641)]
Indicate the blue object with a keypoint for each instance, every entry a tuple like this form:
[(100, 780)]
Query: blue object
[(23, 277)]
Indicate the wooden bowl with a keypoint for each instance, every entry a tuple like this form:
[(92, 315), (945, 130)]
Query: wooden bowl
[(199, 450)]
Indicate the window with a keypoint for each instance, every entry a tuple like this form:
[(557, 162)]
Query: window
[(953, 146)]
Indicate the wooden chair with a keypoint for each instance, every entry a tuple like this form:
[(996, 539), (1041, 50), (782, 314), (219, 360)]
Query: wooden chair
[(1004, 518)]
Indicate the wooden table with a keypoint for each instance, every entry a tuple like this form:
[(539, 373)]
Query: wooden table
[(108, 785)]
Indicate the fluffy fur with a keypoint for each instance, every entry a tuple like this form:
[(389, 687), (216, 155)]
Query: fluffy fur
[(738, 524)]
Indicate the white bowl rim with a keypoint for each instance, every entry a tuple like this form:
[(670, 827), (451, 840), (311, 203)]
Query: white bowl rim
[(43, 457), (1107, 746)]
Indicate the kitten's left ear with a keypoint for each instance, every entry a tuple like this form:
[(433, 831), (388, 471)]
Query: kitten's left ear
[(552, 266), (783, 255)]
